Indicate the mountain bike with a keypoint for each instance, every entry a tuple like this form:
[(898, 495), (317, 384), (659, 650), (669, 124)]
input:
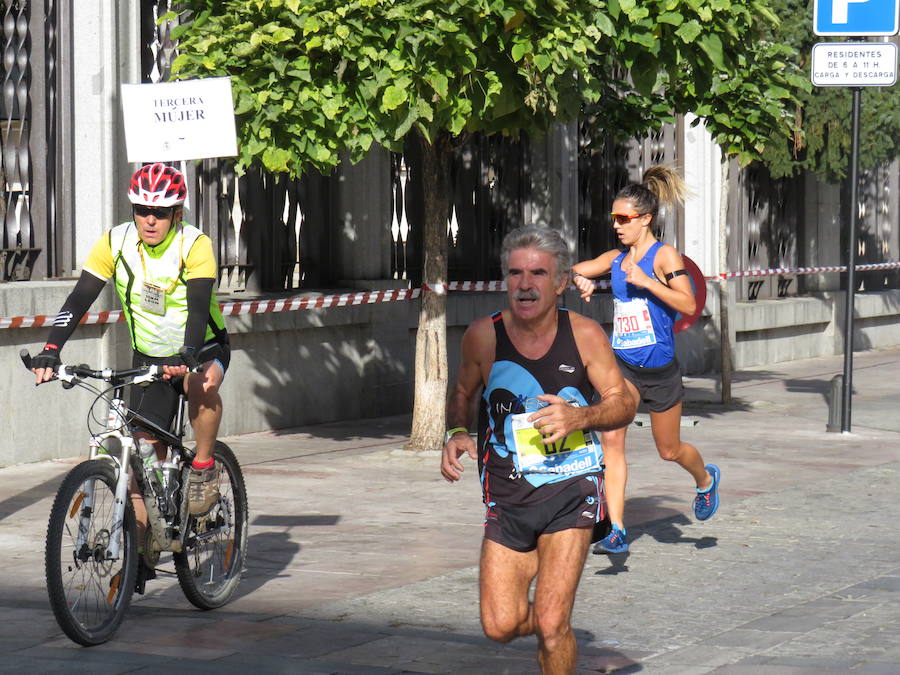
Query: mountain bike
[(93, 560)]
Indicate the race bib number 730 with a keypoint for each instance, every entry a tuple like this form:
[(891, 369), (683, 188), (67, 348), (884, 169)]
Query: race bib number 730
[(632, 326)]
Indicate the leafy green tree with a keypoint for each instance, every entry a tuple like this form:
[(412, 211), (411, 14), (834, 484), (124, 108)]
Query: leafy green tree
[(315, 78), (824, 113), (715, 59)]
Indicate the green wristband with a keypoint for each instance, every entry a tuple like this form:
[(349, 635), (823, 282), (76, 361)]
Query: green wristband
[(452, 431)]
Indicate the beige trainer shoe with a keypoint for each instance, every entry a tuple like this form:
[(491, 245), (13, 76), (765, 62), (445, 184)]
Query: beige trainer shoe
[(203, 490)]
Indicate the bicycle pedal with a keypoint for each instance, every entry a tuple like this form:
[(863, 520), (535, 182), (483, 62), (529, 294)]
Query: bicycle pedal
[(144, 574)]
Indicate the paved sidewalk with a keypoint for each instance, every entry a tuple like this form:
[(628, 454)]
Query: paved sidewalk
[(362, 560)]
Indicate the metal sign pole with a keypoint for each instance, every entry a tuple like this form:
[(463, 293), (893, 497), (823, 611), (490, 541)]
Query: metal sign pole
[(854, 64), (847, 391)]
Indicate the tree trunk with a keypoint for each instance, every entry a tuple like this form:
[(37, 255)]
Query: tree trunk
[(429, 415), (724, 328)]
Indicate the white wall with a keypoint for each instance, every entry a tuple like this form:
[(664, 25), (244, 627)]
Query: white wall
[(106, 52), (702, 173)]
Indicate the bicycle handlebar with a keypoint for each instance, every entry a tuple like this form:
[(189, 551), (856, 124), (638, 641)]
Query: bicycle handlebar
[(83, 370), (154, 372)]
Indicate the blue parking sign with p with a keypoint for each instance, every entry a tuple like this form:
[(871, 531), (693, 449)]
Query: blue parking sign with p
[(856, 17)]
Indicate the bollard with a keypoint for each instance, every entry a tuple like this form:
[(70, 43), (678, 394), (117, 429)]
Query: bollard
[(835, 403)]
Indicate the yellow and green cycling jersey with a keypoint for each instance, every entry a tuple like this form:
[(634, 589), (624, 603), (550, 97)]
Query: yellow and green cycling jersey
[(151, 283)]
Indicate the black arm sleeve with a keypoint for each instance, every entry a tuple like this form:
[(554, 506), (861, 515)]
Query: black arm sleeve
[(199, 291), (79, 301)]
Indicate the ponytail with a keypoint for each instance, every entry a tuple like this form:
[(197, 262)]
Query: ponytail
[(660, 184), (666, 184)]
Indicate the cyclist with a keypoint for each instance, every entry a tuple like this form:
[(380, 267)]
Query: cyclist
[(164, 271)]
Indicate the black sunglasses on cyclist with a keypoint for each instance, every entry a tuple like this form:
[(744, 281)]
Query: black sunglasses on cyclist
[(158, 212)]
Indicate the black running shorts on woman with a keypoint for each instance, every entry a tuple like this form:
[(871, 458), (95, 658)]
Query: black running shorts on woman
[(660, 388)]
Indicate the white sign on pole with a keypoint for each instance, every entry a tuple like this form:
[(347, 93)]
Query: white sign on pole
[(169, 121), (854, 64)]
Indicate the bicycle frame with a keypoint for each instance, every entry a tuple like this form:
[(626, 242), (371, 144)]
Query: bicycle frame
[(93, 563), (119, 417)]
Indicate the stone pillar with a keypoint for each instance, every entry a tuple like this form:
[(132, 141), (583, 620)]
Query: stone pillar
[(703, 175), (102, 63)]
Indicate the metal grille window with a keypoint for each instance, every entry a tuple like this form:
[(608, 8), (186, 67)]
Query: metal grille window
[(602, 172), (35, 70), (604, 168), (17, 252), (767, 215), (489, 188), (879, 218), (158, 50), (399, 220)]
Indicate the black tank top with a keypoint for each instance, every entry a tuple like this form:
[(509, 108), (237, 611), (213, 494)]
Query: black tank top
[(513, 380)]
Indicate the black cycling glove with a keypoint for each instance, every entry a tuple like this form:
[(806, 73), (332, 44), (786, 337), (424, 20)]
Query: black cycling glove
[(48, 358)]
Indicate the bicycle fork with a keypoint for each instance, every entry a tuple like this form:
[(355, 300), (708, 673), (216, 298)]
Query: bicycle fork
[(114, 422)]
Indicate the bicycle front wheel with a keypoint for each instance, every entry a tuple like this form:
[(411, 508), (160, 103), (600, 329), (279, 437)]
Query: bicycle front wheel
[(90, 587), (210, 566)]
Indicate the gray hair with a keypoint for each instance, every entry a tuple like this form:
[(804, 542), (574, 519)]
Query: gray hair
[(540, 238)]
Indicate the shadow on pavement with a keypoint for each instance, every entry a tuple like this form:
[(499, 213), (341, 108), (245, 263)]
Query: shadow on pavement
[(617, 563), (373, 428), (268, 555), (295, 521), (656, 521), (593, 659), (668, 532), (33, 495)]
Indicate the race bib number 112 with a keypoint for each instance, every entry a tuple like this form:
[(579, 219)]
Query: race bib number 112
[(574, 454)]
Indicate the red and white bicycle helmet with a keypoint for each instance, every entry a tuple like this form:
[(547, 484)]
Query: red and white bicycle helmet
[(157, 185)]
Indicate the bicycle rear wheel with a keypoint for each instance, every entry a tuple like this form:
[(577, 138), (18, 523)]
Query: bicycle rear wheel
[(89, 590), (210, 566)]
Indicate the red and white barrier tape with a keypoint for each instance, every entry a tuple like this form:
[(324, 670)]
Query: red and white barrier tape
[(238, 308), (780, 271), (322, 301), (112, 316), (488, 285), (370, 297)]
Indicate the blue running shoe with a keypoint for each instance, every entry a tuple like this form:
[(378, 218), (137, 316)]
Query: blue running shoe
[(706, 502), (614, 542)]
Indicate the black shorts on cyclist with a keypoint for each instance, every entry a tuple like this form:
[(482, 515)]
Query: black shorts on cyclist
[(158, 401)]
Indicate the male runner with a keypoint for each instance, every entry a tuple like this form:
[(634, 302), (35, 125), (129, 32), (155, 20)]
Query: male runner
[(541, 468)]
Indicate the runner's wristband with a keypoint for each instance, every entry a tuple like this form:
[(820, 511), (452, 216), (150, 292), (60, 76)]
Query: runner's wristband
[(452, 431)]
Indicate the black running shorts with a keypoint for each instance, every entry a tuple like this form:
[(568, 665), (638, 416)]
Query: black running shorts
[(518, 527), (660, 388)]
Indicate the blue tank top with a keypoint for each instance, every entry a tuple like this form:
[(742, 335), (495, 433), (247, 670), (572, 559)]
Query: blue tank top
[(513, 380), (643, 324)]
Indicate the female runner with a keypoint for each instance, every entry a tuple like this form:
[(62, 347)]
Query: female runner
[(650, 287)]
